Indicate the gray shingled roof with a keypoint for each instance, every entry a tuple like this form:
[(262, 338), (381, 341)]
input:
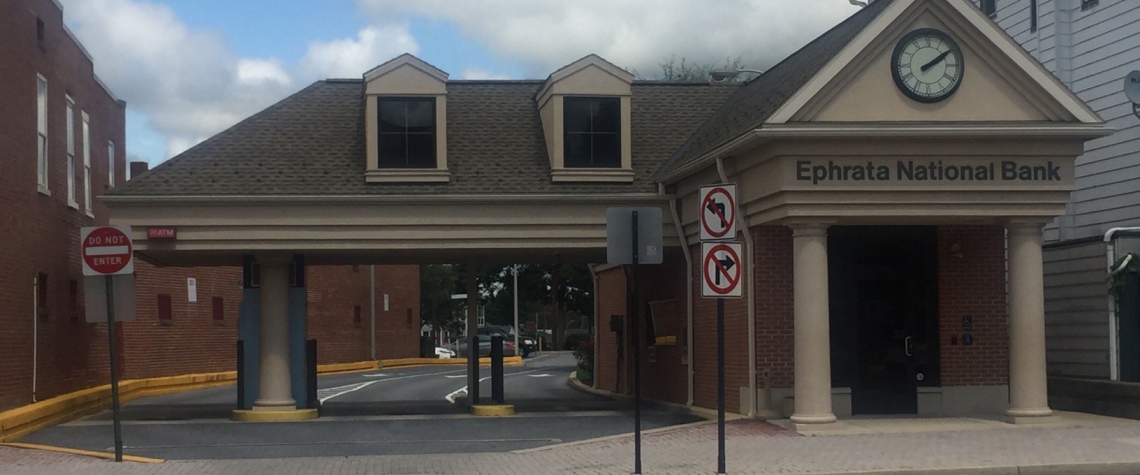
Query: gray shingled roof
[(751, 105), (312, 143)]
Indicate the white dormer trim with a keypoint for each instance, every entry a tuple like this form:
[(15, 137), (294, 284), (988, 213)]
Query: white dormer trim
[(405, 76), (590, 76)]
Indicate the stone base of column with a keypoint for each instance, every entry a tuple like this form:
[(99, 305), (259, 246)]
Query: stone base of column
[(243, 415), (1030, 416), (801, 419), (274, 405)]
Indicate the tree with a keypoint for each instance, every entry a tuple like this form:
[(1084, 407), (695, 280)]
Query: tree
[(437, 308), (685, 70)]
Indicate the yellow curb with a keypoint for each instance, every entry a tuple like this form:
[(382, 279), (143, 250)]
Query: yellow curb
[(493, 410), (243, 415), (87, 453), (416, 362)]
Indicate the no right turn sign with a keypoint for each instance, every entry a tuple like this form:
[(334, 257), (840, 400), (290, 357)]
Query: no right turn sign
[(722, 270)]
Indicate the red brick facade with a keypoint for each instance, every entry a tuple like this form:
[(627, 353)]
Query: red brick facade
[(611, 301), (41, 232), (338, 295), (971, 282)]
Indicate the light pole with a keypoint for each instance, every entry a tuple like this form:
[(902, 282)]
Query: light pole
[(729, 73), (515, 273)]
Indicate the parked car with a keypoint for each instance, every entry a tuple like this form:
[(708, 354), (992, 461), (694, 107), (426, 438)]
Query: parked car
[(460, 347), (527, 345), (444, 353)]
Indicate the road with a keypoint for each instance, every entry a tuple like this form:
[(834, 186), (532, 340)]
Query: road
[(400, 411)]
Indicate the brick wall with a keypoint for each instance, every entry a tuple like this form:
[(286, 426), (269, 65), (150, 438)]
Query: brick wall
[(664, 373), (335, 293), (775, 304), (611, 301), (191, 341), (41, 232), (971, 282), (705, 344)]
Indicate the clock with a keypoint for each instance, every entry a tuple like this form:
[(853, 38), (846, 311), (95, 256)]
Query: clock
[(928, 65)]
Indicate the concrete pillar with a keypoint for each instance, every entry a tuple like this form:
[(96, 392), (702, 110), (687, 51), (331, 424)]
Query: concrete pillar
[(1028, 392), (274, 387), (812, 328)]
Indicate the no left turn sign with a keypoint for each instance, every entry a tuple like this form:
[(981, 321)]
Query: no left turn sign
[(718, 212), (106, 250), (721, 270)]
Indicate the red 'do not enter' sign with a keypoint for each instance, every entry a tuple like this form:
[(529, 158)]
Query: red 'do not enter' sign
[(106, 250)]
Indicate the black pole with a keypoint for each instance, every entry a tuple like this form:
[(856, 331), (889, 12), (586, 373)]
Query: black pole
[(473, 368), (636, 334), (114, 368), (720, 385), (497, 369)]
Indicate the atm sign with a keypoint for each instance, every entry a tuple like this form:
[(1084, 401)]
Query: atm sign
[(160, 233)]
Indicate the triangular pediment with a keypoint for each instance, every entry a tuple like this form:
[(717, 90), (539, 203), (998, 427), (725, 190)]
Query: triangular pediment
[(406, 74), (591, 75), (1000, 81)]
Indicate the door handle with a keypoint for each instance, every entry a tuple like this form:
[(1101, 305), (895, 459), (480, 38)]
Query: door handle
[(906, 346)]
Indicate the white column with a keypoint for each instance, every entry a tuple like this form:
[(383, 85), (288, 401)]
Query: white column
[(812, 329), (1028, 391), (274, 387)]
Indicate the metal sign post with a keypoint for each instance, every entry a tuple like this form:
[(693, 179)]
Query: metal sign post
[(634, 237), (107, 252), (721, 278)]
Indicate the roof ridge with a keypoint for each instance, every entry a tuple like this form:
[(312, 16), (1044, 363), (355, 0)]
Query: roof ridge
[(773, 75)]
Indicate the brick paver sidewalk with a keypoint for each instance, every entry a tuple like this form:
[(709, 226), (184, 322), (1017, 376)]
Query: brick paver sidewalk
[(753, 448)]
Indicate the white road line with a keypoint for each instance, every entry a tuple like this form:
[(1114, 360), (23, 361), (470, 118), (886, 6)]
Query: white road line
[(413, 375), (543, 375), (342, 390), (451, 397)]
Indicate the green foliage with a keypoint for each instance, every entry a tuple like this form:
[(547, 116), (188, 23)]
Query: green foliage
[(574, 341), (1118, 273), (437, 282), (585, 356), (586, 377)]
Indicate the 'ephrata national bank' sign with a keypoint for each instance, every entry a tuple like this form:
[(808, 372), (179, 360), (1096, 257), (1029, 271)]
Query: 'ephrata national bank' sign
[(912, 170)]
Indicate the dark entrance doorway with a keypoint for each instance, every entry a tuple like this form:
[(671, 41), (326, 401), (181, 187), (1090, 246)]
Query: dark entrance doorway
[(884, 315)]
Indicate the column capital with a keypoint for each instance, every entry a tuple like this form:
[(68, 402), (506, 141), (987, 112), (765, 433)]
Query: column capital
[(1025, 227), (809, 228), (274, 258)]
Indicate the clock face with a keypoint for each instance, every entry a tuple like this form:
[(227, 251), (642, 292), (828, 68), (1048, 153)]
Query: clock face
[(928, 65)]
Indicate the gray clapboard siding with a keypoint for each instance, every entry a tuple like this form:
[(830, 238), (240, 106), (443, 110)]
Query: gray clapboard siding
[(1076, 311), (1105, 48)]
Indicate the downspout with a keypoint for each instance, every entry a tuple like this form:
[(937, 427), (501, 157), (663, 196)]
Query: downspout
[(35, 332), (597, 320), (372, 309), (752, 395), (1113, 344), (688, 292)]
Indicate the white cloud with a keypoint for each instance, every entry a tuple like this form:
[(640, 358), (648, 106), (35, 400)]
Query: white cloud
[(352, 57), (479, 73), (547, 34), (257, 71)]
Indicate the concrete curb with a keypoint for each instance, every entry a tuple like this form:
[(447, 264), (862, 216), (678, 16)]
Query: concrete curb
[(1098, 468), (414, 362), (85, 453), (626, 435)]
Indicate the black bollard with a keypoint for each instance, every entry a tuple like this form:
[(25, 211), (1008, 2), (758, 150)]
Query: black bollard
[(497, 369), (473, 368)]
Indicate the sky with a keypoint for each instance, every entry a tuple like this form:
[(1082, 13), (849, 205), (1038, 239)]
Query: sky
[(189, 69)]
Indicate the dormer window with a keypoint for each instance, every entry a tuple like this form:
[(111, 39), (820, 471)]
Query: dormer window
[(407, 132), (593, 132)]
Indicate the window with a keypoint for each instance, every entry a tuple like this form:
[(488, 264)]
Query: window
[(71, 153), (989, 7), (165, 312), (86, 163), (42, 296), (219, 309), (1033, 15), (1088, 4), (110, 163), (356, 319), (407, 133), (40, 35), (592, 132), (41, 128)]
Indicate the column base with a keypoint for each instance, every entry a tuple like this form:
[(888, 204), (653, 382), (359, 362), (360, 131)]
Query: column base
[(272, 405), (244, 415), (800, 419), (1030, 416)]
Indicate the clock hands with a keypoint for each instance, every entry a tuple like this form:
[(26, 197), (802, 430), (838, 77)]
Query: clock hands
[(926, 67)]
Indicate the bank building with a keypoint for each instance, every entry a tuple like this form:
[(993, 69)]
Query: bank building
[(893, 179)]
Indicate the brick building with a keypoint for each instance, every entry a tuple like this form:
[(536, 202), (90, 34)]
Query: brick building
[(62, 144)]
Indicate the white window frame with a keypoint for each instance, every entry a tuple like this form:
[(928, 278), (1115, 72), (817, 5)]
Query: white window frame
[(71, 152), (111, 163), (42, 134), (87, 164)]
